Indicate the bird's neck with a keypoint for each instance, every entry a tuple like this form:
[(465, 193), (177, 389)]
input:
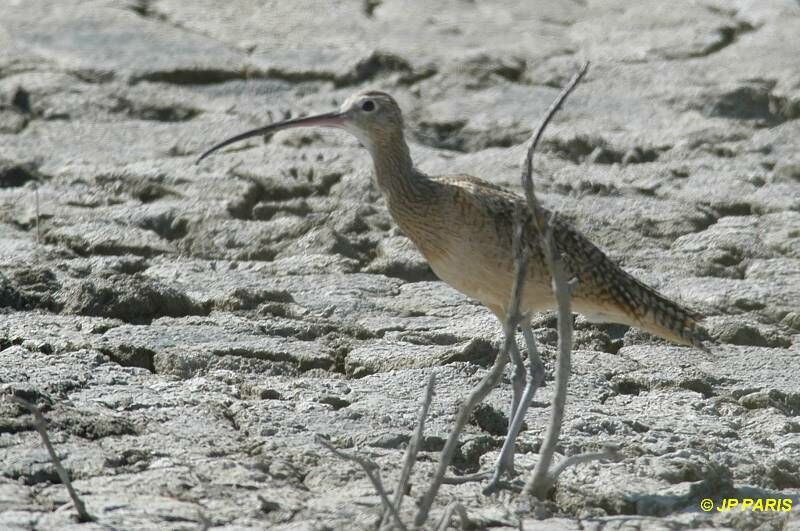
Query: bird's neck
[(413, 198), (397, 178)]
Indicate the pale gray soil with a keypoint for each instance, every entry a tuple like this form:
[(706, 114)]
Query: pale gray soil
[(188, 329)]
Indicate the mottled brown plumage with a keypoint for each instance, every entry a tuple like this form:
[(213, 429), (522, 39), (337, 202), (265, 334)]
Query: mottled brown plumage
[(463, 227)]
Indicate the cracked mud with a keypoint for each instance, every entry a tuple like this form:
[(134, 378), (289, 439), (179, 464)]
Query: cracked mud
[(186, 330)]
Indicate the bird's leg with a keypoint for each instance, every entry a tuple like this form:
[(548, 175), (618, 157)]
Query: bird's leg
[(517, 386), (517, 378), (535, 365), (534, 381)]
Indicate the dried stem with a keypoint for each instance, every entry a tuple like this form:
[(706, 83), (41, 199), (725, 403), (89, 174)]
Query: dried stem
[(480, 392), (520, 253), (518, 386), (527, 171), (38, 234), (512, 320), (609, 453), (373, 473), (521, 404), (537, 484), (413, 448), (468, 478), (454, 507), (41, 426)]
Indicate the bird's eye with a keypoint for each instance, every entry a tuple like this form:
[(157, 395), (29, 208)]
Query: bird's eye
[(368, 106)]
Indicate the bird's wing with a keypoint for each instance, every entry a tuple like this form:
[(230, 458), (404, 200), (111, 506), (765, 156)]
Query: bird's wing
[(600, 280), (498, 203), (474, 184)]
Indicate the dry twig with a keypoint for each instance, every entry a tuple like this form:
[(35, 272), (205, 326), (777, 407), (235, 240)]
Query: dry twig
[(539, 480), (454, 507), (41, 426), (534, 381), (467, 478), (527, 171), (38, 232), (521, 255), (536, 368), (610, 453), (489, 382), (542, 479), (413, 448), (373, 473)]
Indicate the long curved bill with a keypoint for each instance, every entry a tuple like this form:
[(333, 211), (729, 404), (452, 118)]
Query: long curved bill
[(331, 119)]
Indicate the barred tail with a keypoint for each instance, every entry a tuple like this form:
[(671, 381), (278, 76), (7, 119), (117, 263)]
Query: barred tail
[(655, 313), (606, 292)]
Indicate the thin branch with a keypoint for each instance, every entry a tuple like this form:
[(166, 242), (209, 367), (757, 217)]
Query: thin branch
[(521, 404), (372, 470), (520, 254), (38, 235), (536, 368), (416, 440), (454, 507), (518, 386), (413, 448), (610, 454), (41, 426), (468, 478), (538, 482), (489, 382), (561, 289), (527, 171)]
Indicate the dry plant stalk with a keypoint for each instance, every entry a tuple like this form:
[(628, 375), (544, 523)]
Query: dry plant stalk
[(38, 231), (447, 517), (41, 426), (373, 473), (539, 482), (411, 452), (535, 379), (543, 478), (480, 392), (535, 367), (391, 516)]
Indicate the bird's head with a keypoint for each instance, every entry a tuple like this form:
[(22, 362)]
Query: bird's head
[(371, 116)]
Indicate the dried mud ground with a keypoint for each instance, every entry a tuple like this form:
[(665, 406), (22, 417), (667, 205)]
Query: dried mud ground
[(188, 329)]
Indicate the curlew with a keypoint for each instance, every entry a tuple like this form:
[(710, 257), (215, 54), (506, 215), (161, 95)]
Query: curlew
[(463, 225)]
